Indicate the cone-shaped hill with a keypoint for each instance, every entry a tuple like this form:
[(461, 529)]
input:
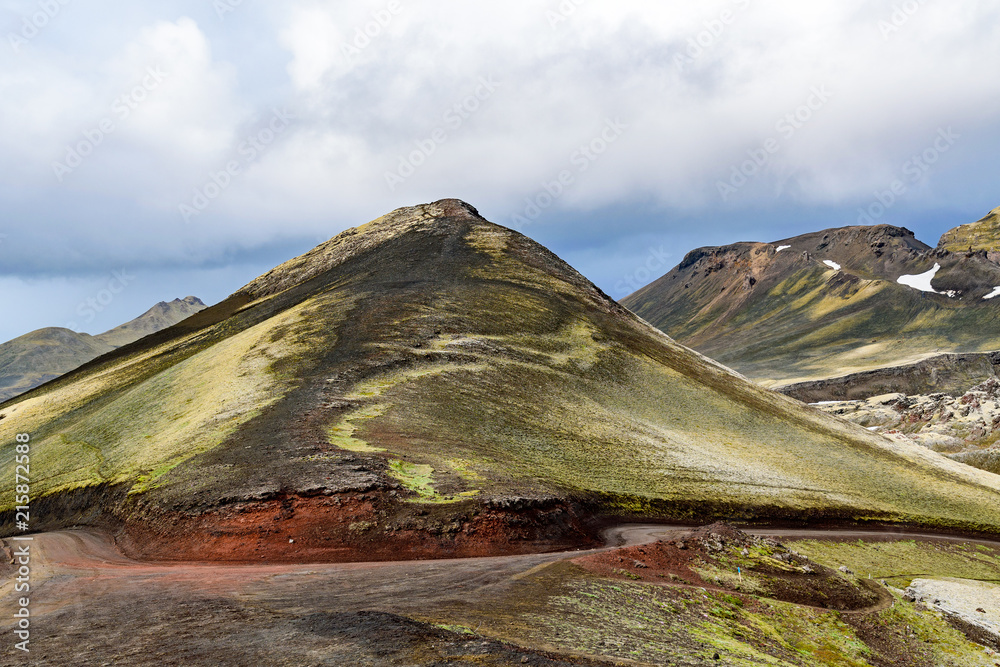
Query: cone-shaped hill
[(432, 384)]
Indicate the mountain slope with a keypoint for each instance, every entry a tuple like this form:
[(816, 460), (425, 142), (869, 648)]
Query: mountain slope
[(826, 304), (35, 358), (433, 384)]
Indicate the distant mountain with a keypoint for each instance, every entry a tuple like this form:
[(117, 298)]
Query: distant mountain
[(828, 303), (162, 315), (43, 355), (35, 358), (432, 384)]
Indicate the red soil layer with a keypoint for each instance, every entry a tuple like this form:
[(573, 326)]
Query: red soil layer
[(653, 563), (349, 528)]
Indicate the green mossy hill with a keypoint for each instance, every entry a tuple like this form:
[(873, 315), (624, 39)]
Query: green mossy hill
[(438, 362), (42, 355), (983, 236), (825, 304)]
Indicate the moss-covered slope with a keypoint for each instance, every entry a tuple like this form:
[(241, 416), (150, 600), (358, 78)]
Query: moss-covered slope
[(431, 372)]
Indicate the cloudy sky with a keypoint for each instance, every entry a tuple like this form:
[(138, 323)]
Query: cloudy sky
[(153, 150)]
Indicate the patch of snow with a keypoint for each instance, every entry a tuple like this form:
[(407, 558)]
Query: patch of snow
[(922, 282), (827, 403), (832, 265), (873, 428), (994, 294), (786, 247)]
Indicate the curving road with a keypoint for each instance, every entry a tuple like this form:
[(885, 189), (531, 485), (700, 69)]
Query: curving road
[(88, 598)]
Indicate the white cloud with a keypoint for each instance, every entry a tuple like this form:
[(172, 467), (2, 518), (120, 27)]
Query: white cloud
[(364, 99), (194, 115), (169, 108), (692, 126)]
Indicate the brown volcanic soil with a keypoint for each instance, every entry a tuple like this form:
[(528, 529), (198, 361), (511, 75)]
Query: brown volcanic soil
[(91, 605), (777, 572)]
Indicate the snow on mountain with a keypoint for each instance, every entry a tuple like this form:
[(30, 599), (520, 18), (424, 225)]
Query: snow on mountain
[(922, 282)]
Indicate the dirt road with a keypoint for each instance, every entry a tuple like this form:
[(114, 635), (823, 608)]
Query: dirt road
[(92, 605)]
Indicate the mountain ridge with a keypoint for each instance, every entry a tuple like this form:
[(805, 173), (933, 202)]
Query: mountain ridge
[(980, 236), (827, 303)]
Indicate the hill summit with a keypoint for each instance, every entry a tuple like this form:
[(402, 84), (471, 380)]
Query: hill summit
[(432, 384)]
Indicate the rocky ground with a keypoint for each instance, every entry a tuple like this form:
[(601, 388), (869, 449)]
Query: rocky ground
[(965, 427)]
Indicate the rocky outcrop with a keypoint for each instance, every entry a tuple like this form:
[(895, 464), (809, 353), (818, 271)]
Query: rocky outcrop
[(965, 427), (981, 236)]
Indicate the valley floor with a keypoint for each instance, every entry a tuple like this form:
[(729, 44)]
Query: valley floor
[(664, 596)]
